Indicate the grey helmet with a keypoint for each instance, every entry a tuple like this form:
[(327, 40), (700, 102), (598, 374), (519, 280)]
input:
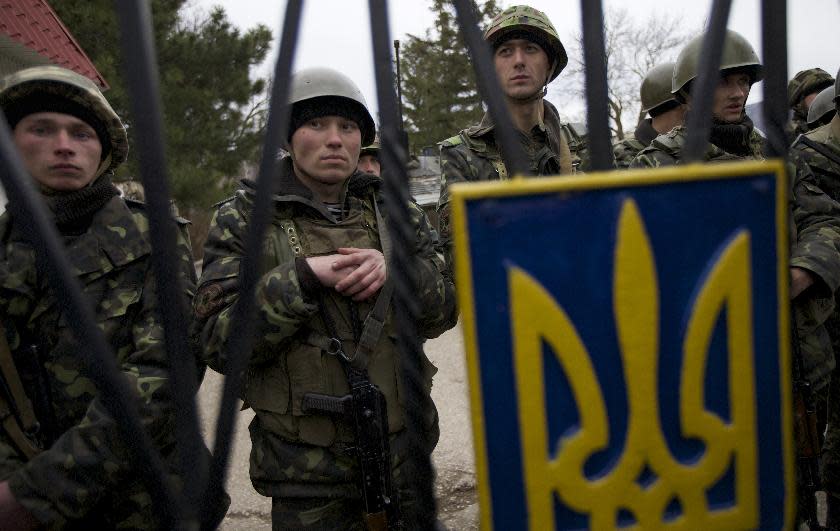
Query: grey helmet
[(822, 108), (325, 82), (63, 83)]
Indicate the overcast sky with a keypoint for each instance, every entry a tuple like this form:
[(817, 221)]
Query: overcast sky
[(336, 33)]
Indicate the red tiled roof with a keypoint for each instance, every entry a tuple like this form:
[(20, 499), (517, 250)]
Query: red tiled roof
[(34, 24)]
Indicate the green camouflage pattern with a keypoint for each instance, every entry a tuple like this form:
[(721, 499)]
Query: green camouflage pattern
[(806, 82), (473, 155), (624, 151), (68, 84), (666, 150), (526, 18), (345, 513), (293, 453), (82, 479), (827, 174), (803, 83)]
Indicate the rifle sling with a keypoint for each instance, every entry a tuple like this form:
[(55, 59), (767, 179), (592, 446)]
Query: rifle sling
[(819, 148), (12, 429), (21, 403)]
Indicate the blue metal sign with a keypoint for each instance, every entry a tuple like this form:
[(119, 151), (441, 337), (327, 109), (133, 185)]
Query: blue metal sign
[(628, 348)]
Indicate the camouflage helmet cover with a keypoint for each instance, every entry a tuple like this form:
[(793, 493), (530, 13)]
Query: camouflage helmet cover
[(807, 82), (372, 148), (64, 83), (326, 82), (656, 87), (528, 19), (822, 105), (738, 53)]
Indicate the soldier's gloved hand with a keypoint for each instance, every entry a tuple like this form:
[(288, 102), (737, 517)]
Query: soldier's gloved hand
[(324, 268), (369, 272), (800, 280)]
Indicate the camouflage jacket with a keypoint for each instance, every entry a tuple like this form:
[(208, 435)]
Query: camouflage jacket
[(472, 155), (295, 453), (666, 149), (815, 243), (82, 479), (826, 171), (626, 150)]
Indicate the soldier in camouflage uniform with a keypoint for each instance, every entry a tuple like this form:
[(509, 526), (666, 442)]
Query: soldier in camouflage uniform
[(802, 90), (369, 159), (819, 149), (322, 273), (664, 110), (527, 54), (71, 140)]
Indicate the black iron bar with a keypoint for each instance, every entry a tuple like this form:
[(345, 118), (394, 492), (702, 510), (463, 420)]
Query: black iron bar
[(140, 67), (774, 57), (488, 84), (100, 364), (401, 270), (595, 61), (241, 341), (399, 80), (699, 120)]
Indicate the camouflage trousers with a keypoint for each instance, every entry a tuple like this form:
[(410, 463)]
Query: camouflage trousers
[(336, 514)]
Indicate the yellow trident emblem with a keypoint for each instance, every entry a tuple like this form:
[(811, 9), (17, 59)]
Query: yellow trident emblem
[(537, 318)]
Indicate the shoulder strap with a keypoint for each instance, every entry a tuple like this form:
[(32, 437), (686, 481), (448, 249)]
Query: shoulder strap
[(16, 411)]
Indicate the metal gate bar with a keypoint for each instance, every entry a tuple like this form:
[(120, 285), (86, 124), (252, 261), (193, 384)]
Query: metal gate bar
[(138, 52), (99, 362), (595, 62), (699, 120), (401, 270), (774, 57)]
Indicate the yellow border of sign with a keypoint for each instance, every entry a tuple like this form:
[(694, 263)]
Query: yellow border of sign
[(461, 193)]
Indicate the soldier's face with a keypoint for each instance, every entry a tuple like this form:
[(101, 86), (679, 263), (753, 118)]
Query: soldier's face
[(325, 151), (369, 164), (60, 151), (522, 68), (731, 95)]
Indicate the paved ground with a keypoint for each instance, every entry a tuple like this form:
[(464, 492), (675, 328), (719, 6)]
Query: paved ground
[(453, 457)]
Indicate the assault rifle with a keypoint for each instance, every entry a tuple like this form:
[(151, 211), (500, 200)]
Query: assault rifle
[(807, 436), (365, 409), (17, 416)]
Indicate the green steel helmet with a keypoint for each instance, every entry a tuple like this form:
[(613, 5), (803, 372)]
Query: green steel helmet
[(656, 87), (807, 82), (738, 54), (49, 87), (319, 92), (822, 107), (535, 22)]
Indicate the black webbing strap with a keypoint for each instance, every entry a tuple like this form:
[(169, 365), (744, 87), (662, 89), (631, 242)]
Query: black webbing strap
[(826, 152)]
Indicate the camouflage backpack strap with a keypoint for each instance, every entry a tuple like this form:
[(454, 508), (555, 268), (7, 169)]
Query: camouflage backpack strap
[(17, 415)]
